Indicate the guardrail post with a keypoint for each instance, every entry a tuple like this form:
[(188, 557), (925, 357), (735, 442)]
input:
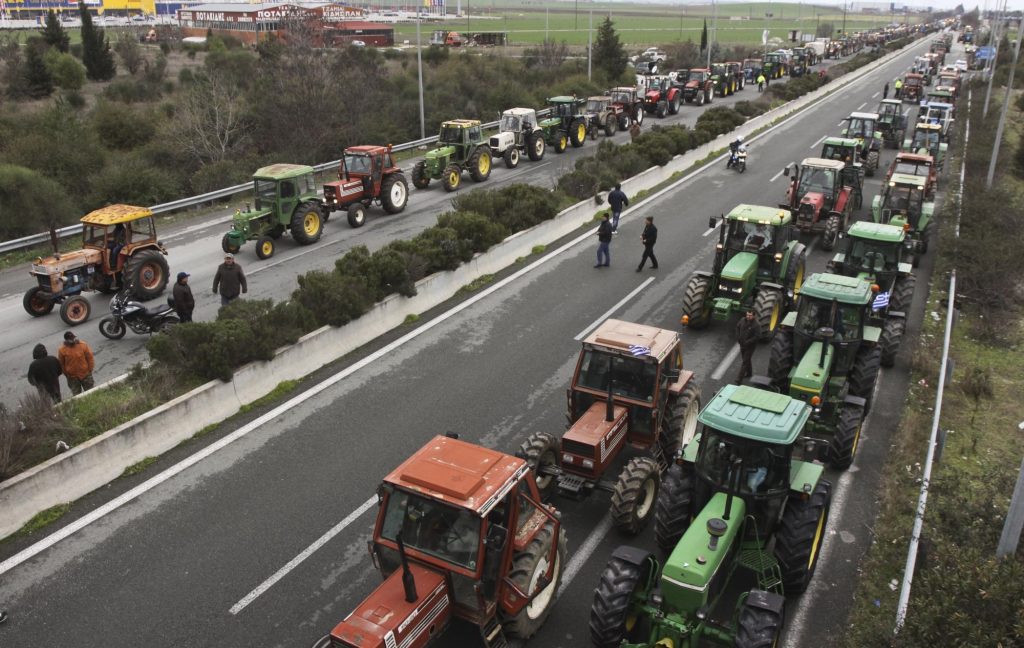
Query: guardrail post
[(1015, 516)]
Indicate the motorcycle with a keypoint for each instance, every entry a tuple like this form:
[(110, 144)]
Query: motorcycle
[(738, 159), (127, 314)]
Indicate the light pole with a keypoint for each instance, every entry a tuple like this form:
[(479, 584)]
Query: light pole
[(767, 29), (419, 64), (590, 44)]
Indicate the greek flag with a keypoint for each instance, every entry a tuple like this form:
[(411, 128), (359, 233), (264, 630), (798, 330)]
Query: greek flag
[(881, 301), (638, 350)]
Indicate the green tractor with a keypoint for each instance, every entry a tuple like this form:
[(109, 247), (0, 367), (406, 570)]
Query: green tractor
[(723, 79), (566, 125), (759, 264), (736, 511), (927, 140), (827, 354), (903, 203), (461, 146), (774, 65), (864, 127), (875, 252), (287, 198), (892, 123)]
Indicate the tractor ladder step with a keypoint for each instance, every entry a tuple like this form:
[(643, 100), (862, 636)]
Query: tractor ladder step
[(492, 635), (769, 576), (572, 484), (659, 456)]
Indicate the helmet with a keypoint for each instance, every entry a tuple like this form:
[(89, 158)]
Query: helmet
[(739, 138)]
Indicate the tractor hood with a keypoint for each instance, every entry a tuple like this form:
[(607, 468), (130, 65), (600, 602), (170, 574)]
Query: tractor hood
[(341, 191), (551, 122), (66, 261), (594, 439), (740, 267), (810, 375), (814, 199), (692, 84), (652, 95), (385, 619), (440, 152), (240, 221)]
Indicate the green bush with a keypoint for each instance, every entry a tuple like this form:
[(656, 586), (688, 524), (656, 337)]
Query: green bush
[(121, 127), (481, 232), (133, 91), (207, 350), (65, 69), (132, 181), (332, 298), (515, 207), (30, 202), (273, 325)]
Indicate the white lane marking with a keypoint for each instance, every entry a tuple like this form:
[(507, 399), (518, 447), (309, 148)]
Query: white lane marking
[(726, 363), (776, 176), (862, 105), (583, 554), (585, 332), (812, 146), (875, 96), (712, 229), (306, 553), (841, 122)]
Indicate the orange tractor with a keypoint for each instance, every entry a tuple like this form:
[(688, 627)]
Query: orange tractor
[(368, 174), (119, 247)]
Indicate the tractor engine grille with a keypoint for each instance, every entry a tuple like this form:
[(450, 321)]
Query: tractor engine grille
[(577, 448), (338, 643)]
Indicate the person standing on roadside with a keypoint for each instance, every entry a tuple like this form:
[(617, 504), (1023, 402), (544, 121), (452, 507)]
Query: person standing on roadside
[(617, 199), (44, 373), (229, 281), (649, 237), (634, 131), (748, 332), (77, 363), (604, 239), (760, 81), (885, 91), (899, 88), (184, 302)]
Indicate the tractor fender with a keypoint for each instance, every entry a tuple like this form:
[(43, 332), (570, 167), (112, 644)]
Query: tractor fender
[(896, 315), (855, 401), (838, 214), (632, 555), (766, 601), (704, 273), (769, 284), (676, 388), (789, 321)]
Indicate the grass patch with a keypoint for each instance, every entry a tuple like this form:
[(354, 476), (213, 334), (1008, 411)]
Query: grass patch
[(477, 284), (42, 519), (283, 388), (138, 467), (538, 249), (411, 318)]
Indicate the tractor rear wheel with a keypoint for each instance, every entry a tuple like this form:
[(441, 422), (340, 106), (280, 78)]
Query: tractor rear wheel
[(146, 272), (610, 618), (872, 163), (695, 302), (264, 247), (758, 627), (903, 293), (394, 193), (635, 493), (768, 311), (452, 177), (831, 234), (561, 141), (796, 271), (892, 336), (674, 510), (535, 146), (480, 164), (529, 570), (356, 215), (864, 373), (926, 235), (800, 535), (35, 304), (680, 422), (623, 122), (609, 125), (511, 157), (307, 225), (75, 310), (420, 180), (780, 359), (228, 246), (673, 106), (540, 450), (700, 98), (578, 133), (846, 438)]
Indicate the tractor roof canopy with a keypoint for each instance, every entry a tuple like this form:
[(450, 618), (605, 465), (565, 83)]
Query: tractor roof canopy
[(634, 338), (282, 171), (772, 216), (459, 473), (907, 179), (756, 414), (865, 116), (822, 163), (461, 123), (114, 214), (877, 232), (561, 100), (520, 112), (846, 290), (840, 141)]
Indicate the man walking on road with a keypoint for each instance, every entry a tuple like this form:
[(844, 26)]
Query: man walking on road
[(44, 373), (230, 280), (77, 363), (184, 302), (748, 331), (604, 239), (885, 91), (649, 237), (617, 199)]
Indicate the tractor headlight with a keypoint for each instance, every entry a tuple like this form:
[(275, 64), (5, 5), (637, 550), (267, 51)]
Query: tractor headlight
[(588, 463), (567, 458)]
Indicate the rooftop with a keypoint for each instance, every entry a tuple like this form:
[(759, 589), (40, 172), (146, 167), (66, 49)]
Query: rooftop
[(281, 171), (757, 214), (756, 414), (113, 214), (823, 163), (846, 290), (628, 337), (877, 232)]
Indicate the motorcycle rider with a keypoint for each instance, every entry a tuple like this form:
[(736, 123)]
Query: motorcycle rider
[(734, 148)]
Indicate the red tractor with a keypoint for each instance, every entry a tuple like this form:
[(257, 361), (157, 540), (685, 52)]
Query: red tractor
[(697, 85), (662, 98), (460, 533), (819, 198), (368, 174), (628, 105)]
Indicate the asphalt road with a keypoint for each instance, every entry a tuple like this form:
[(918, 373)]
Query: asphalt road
[(187, 562), (195, 247)]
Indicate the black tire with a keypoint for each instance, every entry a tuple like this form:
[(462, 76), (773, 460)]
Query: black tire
[(146, 272), (528, 567), (419, 175), (674, 510), (112, 329), (741, 166), (680, 421), (846, 439), (796, 272), (926, 236), (75, 310), (480, 164), (831, 234), (451, 178), (768, 311), (165, 325), (661, 110), (903, 293), (511, 157), (228, 246), (872, 163), (673, 106), (578, 133), (892, 336), (700, 97), (264, 247), (356, 215), (695, 302), (758, 627), (799, 538), (307, 224), (535, 146), (34, 304), (780, 359), (592, 130), (635, 494), (541, 450), (623, 122), (612, 600), (561, 141), (638, 115), (864, 373), (394, 193), (609, 125)]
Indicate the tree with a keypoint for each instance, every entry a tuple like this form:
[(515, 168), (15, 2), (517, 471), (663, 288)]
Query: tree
[(38, 82), (550, 55), (824, 29), (608, 54), (127, 47), (54, 33), (67, 72), (704, 36), (96, 54), (30, 202), (209, 120)]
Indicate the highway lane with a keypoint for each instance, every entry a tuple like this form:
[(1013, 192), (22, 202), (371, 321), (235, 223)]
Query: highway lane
[(195, 248), (167, 568)]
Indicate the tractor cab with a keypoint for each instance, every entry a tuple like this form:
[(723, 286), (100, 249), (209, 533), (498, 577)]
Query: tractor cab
[(941, 113), (286, 197), (118, 231), (366, 174), (774, 66), (817, 190), (751, 68), (913, 87), (903, 203), (367, 164), (566, 125), (862, 126), (890, 111), (848, 151), (564, 107), (876, 252), (598, 105), (915, 165), (927, 140), (518, 121), (462, 134)]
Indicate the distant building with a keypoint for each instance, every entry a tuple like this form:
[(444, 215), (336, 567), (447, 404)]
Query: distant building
[(29, 9), (334, 24)]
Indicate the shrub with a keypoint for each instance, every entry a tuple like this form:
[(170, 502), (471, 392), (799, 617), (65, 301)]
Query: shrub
[(480, 231), (121, 127), (332, 298), (29, 434), (516, 207), (132, 181), (273, 325), (29, 202), (207, 350), (132, 91), (65, 69)]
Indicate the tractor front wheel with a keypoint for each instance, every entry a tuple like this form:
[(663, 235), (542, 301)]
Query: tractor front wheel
[(452, 177), (780, 359), (578, 133), (511, 157), (228, 246), (609, 125), (264, 247), (530, 574), (892, 336), (798, 540), (610, 618), (673, 106), (420, 180), (36, 302), (696, 309), (674, 510), (758, 627), (700, 98), (540, 450), (356, 215), (768, 311), (903, 293), (307, 225), (680, 422), (480, 164), (638, 115), (146, 272), (75, 310), (831, 234), (394, 193), (561, 141), (864, 373), (635, 493), (535, 146), (846, 439)]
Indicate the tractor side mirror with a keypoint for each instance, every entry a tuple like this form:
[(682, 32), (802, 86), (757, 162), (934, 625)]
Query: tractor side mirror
[(712, 222), (785, 171), (494, 546), (825, 333)]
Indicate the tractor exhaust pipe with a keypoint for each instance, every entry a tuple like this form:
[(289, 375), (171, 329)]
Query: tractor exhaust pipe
[(733, 488), (609, 410), (408, 581)]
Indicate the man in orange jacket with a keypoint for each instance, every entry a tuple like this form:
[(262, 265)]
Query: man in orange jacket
[(77, 363)]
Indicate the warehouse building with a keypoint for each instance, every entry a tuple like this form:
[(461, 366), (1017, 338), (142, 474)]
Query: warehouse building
[(252, 23)]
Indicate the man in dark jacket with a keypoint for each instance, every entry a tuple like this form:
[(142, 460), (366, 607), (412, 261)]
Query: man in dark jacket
[(748, 332), (649, 238), (617, 199), (230, 279), (604, 239), (184, 303), (44, 373)]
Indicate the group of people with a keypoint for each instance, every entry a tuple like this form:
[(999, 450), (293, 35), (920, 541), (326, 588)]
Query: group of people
[(897, 86), (609, 226)]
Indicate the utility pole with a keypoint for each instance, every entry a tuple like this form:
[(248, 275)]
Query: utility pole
[(577, 26), (990, 65), (547, 22), (590, 44), (1002, 117), (714, 19), (844, 18), (419, 64)]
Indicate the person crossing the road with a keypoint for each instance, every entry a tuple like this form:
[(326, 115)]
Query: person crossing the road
[(748, 331), (649, 237), (604, 239), (617, 199)]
